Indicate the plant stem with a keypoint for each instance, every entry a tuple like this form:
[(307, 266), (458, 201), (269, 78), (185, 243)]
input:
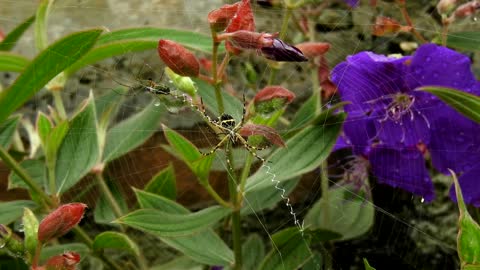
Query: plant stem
[(118, 212), (244, 176), (217, 197), (236, 229), (283, 31), (57, 99), (216, 82), (446, 24), (408, 20), (13, 165)]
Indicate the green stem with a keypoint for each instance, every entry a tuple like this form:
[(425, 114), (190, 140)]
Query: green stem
[(217, 197), (57, 99), (12, 164), (244, 175), (216, 82), (118, 212), (236, 229), (80, 233), (283, 31)]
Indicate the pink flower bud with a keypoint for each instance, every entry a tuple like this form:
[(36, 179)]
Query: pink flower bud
[(445, 6), (274, 91), (60, 221), (313, 49), (242, 20), (178, 58), (467, 9)]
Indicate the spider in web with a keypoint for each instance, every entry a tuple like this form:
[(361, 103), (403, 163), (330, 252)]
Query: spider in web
[(228, 127)]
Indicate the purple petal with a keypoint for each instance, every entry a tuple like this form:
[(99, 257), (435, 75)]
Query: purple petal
[(455, 142), (352, 3), (404, 169), (469, 185), (366, 78), (439, 66), (281, 51), (359, 130)]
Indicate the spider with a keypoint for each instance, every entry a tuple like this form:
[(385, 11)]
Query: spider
[(228, 127)]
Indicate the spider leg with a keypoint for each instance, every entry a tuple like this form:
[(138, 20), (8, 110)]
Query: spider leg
[(242, 121), (227, 154), (251, 149), (216, 147)]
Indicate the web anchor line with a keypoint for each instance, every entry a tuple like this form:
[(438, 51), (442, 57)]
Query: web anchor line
[(296, 221)]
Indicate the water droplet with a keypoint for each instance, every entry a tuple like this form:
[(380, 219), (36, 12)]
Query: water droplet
[(170, 81), (428, 59), (422, 200), (156, 104), (474, 19), (435, 75), (460, 139), (418, 70), (444, 65), (457, 74), (2, 244)]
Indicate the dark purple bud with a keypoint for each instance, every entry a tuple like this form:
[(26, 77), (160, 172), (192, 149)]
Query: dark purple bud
[(281, 51)]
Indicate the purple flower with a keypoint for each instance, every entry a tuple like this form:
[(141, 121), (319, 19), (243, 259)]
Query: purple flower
[(388, 119), (352, 3)]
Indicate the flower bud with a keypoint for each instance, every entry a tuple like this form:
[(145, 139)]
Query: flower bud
[(271, 99), (467, 9), (385, 25), (178, 58), (445, 6), (328, 87), (313, 49), (66, 261), (184, 84), (281, 51), (243, 39), (269, 133), (2, 35), (60, 221), (242, 20), (220, 18)]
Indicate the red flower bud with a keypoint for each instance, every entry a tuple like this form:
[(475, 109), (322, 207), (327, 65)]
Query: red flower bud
[(178, 58), (243, 39), (313, 49), (66, 261), (242, 20), (269, 133), (274, 91), (328, 87), (220, 18), (2, 35), (385, 25), (60, 221), (467, 9)]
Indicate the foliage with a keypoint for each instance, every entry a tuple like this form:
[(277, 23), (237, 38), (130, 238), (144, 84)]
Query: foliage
[(378, 125)]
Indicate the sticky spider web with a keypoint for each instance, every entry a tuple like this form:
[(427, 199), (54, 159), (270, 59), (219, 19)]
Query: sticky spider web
[(401, 220)]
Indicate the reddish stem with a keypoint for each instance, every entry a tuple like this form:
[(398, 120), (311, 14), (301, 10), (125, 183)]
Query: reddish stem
[(408, 20)]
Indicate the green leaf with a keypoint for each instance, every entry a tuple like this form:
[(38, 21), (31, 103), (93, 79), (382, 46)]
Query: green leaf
[(30, 228), (11, 39), (79, 151), (125, 41), (12, 62), (54, 250), (43, 126), (35, 168), (107, 106), (344, 212), (40, 27), (299, 148), (103, 212), (114, 240), (53, 142), (163, 183), (165, 224), (233, 106), (192, 40), (469, 41), (131, 132), (267, 198), (217, 253), (179, 263), (468, 239), (184, 148), (291, 251), (367, 265), (315, 262), (45, 67), (201, 168), (7, 130), (11, 211), (305, 114), (253, 251), (465, 103)]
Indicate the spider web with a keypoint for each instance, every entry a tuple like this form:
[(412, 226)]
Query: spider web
[(411, 234)]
